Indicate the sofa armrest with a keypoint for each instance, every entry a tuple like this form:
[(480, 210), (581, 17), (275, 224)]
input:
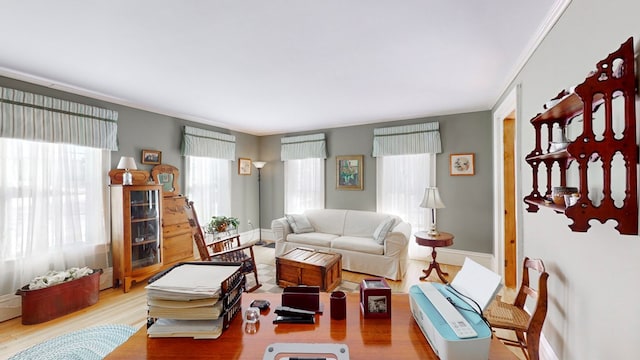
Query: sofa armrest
[(280, 228), (397, 240)]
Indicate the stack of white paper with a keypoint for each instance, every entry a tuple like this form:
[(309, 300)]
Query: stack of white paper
[(197, 329), (186, 301), (477, 282)]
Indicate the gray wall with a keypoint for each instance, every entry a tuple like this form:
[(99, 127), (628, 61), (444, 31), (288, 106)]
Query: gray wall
[(468, 199), (585, 320), (468, 214), (139, 129)]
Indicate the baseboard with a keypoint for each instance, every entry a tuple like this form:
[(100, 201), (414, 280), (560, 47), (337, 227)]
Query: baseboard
[(10, 307), (546, 351), (106, 279)]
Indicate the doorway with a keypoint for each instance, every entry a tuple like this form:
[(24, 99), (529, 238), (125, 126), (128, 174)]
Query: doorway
[(506, 206), (509, 190)]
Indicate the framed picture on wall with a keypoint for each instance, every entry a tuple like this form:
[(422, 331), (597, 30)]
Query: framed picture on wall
[(153, 157), (349, 172), (462, 164), (244, 166)]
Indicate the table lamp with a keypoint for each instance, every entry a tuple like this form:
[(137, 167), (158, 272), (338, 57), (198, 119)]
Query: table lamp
[(432, 201), (127, 163)]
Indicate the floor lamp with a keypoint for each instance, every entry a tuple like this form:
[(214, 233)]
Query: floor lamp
[(259, 165)]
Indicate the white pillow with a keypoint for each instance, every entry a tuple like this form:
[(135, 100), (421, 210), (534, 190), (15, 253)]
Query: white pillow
[(299, 223), (382, 230)]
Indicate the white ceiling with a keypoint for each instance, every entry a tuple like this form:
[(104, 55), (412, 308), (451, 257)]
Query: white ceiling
[(267, 67)]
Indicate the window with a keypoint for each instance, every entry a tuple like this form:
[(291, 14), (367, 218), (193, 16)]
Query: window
[(402, 195), (303, 185), (53, 213), (208, 185)]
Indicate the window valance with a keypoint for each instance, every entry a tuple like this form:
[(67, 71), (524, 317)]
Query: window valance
[(303, 147), (407, 139), (206, 143), (28, 116)]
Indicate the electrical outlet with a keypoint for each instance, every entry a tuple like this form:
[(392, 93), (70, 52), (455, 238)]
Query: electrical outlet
[(249, 223)]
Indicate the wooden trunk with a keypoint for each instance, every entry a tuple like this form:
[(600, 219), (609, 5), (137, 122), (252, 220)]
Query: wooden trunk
[(46, 304), (309, 267)]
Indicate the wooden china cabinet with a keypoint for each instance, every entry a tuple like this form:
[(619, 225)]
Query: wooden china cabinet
[(136, 233), (601, 114)]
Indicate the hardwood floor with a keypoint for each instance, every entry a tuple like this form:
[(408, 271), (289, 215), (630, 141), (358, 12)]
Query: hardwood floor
[(116, 307)]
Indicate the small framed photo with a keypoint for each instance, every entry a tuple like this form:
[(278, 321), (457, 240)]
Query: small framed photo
[(349, 172), (462, 164), (153, 157), (244, 166), (375, 298)]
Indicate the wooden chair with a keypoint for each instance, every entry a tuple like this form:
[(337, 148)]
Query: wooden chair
[(513, 317), (228, 249)]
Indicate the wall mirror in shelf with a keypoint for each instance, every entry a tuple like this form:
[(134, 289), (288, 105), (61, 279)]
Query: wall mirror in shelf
[(167, 176), (585, 147)]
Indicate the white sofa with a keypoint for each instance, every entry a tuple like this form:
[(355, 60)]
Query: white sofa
[(350, 233)]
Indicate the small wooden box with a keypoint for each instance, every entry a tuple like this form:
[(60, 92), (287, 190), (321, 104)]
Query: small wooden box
[(309, 267), (375, 298)]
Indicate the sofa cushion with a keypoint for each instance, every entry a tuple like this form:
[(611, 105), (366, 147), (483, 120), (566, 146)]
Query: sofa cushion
[(299, 223), (358, 244), (312, 239), (362, 223), (383, 229), (328, 221)]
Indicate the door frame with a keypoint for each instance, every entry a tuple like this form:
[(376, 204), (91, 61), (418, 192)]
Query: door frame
[(508, 104)]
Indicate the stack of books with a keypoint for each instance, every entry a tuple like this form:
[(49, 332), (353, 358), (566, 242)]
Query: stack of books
[(195, 300)]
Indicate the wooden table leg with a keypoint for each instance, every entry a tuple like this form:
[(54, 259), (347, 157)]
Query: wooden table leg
[(434, 265)]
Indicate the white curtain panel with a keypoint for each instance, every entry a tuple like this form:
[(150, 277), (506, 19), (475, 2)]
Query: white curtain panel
[(208, 185), (401, 180), (54, 209), (303, 185)]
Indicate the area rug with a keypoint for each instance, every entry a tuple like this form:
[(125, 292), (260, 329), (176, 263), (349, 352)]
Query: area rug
[(267, 277), (91, 343)]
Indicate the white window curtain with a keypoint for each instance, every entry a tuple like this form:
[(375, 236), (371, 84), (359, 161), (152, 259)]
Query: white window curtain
[(208, 171), (304, 185), (53, 191), (208, 185), (304, 166), (410, 151)]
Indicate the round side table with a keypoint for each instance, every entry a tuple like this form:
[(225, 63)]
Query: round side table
[(441, 240)]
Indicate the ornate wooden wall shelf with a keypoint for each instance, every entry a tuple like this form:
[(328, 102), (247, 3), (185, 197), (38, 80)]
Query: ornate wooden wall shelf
[(614, 77)]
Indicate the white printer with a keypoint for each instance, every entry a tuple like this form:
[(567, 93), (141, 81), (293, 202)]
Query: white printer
[(456, 334)]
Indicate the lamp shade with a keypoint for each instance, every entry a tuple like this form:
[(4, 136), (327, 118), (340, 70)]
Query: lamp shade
[(259, 164), (432, 199), (127, 163)]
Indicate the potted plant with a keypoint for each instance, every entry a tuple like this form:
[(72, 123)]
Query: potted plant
[(222, 223)]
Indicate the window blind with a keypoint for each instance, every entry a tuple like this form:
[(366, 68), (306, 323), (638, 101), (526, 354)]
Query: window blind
[(34, 117), (303, 147), (206, 143), (407, 139)]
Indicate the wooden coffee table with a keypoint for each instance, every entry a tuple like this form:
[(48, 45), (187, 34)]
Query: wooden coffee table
[(302, 266)]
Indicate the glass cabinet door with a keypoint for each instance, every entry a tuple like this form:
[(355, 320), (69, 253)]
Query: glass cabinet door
[(145, 228)]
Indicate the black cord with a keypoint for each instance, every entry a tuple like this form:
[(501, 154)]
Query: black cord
[(478, 312)]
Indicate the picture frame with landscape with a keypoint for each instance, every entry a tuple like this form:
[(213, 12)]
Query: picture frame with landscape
[(152, 157), (349, 172)]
